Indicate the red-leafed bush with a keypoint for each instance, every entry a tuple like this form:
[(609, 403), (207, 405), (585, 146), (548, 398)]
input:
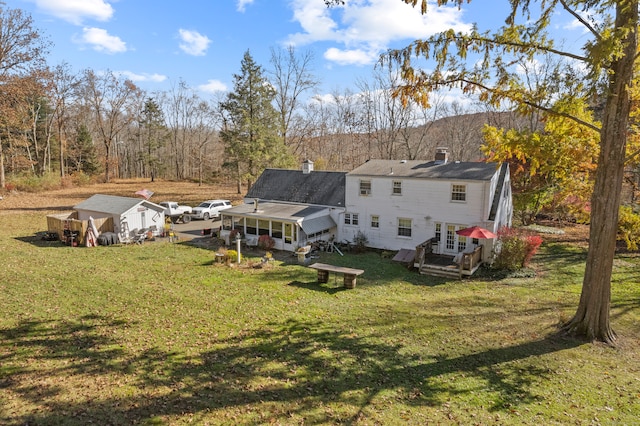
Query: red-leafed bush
[(515, 248), (235, 233), (265, 242), (533, 244)]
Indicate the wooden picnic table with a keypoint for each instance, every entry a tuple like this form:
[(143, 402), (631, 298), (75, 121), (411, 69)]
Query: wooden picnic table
[(349, 274)]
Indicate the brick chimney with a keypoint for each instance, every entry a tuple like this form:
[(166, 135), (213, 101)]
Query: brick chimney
[(442, 155), (307, 167)]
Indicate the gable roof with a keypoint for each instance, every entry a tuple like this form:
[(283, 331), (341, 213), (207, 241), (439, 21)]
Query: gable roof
[(499, 190), (293, 186), (426, 169), (112, 204)]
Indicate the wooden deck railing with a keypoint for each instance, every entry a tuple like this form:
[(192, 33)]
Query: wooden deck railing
[(471, 260), (422, 250)]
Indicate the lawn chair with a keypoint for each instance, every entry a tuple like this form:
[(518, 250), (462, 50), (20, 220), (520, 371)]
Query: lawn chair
[(139, 236)]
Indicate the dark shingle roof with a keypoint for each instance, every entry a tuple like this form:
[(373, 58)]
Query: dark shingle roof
[(426, 169), (318, 187)]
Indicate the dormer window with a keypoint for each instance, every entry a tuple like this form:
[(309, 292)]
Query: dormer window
[(365, 188)]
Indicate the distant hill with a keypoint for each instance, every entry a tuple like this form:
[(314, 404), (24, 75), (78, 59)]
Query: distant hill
[(461, 134)]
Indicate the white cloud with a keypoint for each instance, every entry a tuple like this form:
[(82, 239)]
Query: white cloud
[(135, 77), (368, 27), (242, 5), (316, 22), (213, 86), (102, 41), (193, 43), (575, 24), (350, 57), (76, 11)]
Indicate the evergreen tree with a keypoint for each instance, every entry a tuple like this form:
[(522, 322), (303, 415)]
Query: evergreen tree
[(250, 125), (82, 155), (153, 137)]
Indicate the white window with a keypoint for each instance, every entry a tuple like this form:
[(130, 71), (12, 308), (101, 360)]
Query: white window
[(451, 237), (365, 187), (375, 221), (458, 193), (351, 218), (397, 187), (404, 227), (462, 243)]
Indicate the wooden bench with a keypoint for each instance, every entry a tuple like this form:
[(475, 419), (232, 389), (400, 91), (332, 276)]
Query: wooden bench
[(349, 274)]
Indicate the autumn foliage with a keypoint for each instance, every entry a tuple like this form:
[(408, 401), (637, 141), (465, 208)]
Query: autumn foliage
[(516, 248)]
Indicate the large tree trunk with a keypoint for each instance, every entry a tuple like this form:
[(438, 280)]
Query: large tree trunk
[(591, 320)]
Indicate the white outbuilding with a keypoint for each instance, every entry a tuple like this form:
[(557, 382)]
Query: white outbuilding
[(129, 214)]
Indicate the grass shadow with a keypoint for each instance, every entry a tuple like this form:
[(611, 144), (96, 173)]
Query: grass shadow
[(298, 364), (329, 288), (39, 240)]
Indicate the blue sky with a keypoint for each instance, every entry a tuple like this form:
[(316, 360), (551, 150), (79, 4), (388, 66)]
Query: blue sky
[(157, 43)]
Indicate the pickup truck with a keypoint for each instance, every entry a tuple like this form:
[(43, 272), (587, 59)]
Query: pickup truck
[(175, 212)]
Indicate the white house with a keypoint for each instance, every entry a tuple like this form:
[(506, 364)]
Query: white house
[(128, 213), (399, 204), (396, 204)]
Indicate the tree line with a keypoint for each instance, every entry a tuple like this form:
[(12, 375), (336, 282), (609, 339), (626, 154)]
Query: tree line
[(100, 124)]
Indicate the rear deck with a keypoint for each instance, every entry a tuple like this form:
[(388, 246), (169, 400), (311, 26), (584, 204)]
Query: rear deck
[(445, 266), (429, 263)]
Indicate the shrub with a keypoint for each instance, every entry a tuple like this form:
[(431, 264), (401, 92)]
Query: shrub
[(629, 227), (516, 248), (265, 242), (232, 256), (360, 241), (29, 182), (81, 178)]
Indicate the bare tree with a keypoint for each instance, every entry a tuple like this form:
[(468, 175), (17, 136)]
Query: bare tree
[(180, 104), (460, 130), (108, 97), (22, 50), (64, 86), (206, 123), (292, 78), (386, 118)]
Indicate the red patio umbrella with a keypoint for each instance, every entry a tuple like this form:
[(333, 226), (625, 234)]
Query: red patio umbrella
[(476, 232)]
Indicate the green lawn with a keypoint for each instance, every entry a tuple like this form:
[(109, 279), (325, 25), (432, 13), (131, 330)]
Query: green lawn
[(159, 334)]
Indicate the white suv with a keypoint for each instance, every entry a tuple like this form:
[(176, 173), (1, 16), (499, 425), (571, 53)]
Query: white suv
[(210, 209)]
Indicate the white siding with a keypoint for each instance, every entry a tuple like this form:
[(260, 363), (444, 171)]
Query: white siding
[(423, 201), (133, 219)]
